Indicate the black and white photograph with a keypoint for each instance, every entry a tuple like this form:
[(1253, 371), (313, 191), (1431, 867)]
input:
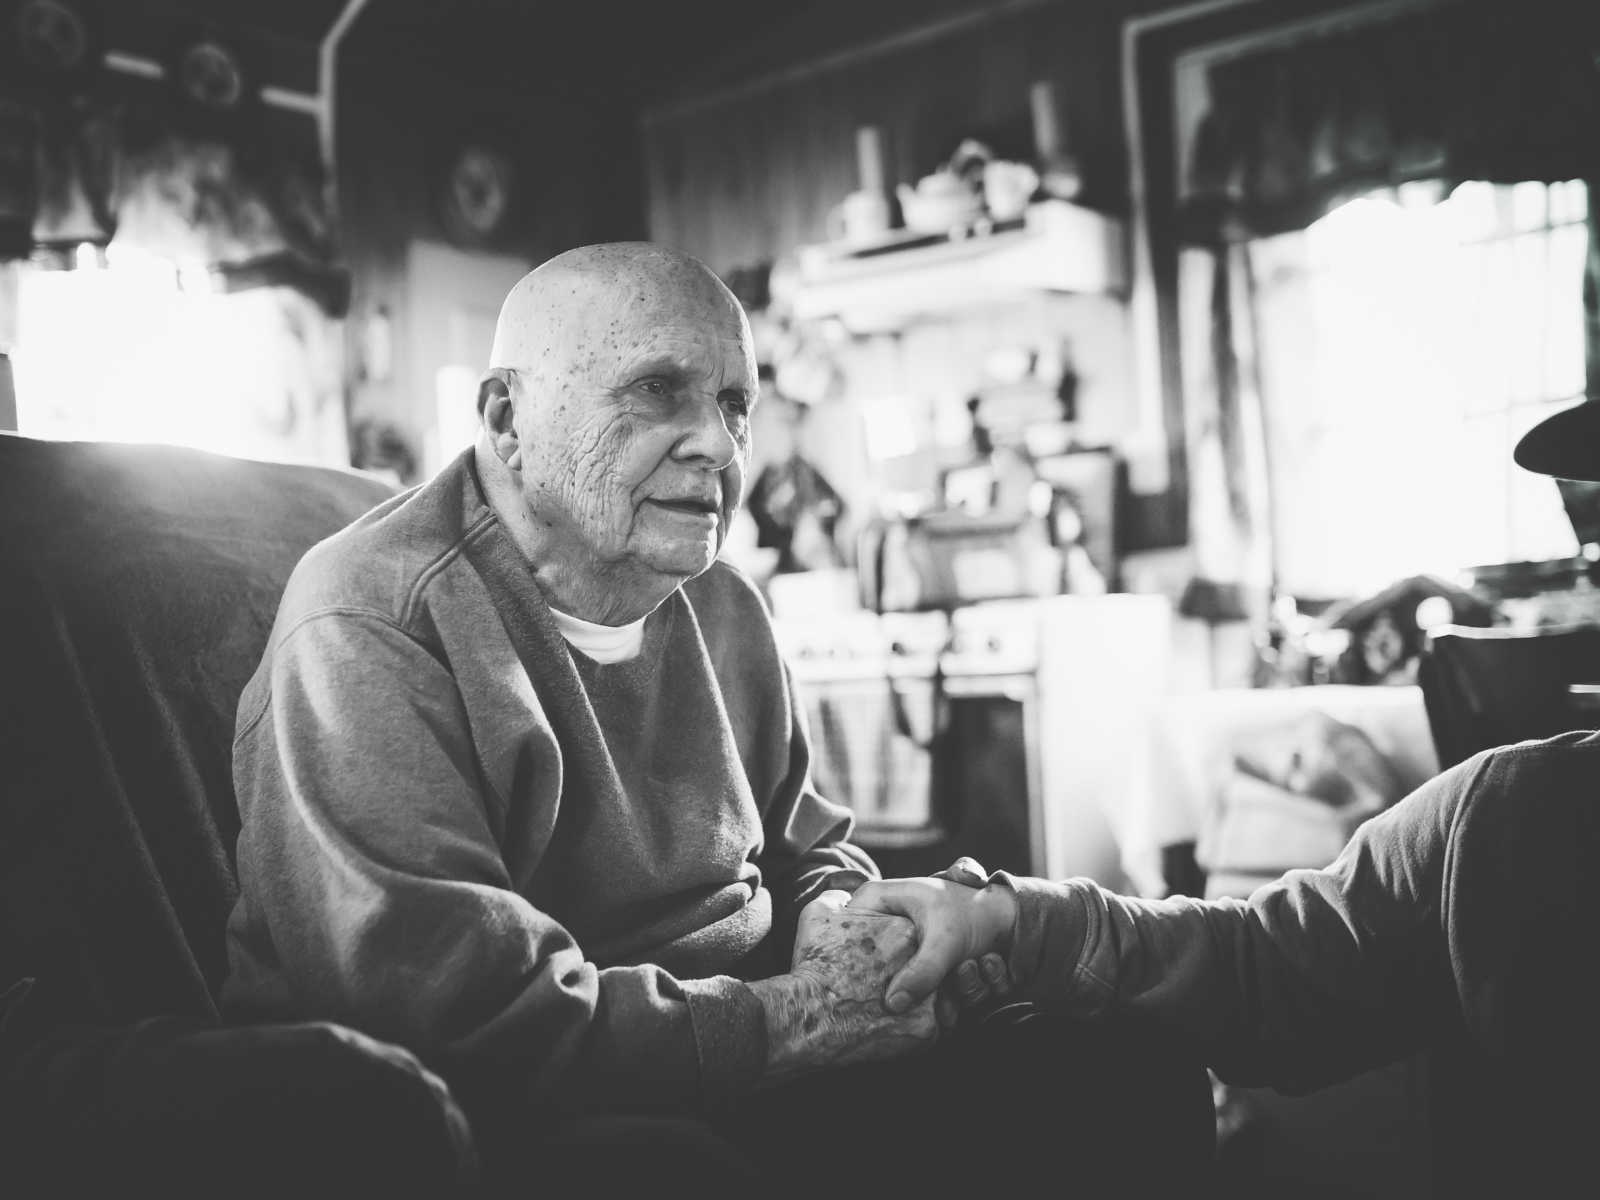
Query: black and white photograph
[(881, 599)]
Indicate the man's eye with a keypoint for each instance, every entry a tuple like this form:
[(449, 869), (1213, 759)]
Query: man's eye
[(737, 404), (656, 387)]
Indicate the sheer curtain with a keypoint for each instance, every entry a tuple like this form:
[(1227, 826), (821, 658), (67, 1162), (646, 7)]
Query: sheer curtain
[(1388, 274), (1401, 349)]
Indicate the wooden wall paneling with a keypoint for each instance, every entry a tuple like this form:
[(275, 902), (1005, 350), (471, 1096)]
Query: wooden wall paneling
[(1002, 75), (759, 194), (804, 204), (925, 96)]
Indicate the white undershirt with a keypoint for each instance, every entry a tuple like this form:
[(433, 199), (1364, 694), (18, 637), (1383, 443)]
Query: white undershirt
[(603, 643)]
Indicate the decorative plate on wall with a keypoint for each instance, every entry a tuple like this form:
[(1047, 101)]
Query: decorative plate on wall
[(475, 193), (54, 38), (209, 73), (214, 78)]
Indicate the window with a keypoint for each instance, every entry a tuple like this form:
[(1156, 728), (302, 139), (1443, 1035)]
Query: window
[(126, 347), (1404, 344)]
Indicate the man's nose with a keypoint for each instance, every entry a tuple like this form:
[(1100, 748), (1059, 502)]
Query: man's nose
[(708, 438)]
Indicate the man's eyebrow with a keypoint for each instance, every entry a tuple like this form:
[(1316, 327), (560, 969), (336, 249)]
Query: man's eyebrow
[(656, 362)]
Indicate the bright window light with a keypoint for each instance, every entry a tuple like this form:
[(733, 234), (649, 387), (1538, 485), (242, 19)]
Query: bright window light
[(138, 350), (890, 428), (1404, 347)]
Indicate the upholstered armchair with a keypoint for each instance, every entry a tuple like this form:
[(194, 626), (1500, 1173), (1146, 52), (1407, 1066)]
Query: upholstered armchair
[(137, 588)]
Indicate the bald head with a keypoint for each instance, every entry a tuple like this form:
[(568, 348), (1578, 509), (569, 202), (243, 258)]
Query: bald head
[(616, 423), (567, 297)]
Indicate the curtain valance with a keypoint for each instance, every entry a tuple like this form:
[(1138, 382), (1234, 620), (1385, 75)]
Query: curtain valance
[(1468, 89)]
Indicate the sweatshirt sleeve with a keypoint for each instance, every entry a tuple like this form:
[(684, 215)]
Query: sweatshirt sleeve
[(367, 853), (1316, 977)]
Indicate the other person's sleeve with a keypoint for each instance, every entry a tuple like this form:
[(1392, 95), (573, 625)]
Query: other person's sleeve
[(1316, 977)]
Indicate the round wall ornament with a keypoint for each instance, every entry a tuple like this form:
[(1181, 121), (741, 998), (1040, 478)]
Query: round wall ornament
[(52, 36), (210, 74), (476, 192)]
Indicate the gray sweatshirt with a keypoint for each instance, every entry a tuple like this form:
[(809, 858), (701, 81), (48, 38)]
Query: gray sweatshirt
[(463, 836)]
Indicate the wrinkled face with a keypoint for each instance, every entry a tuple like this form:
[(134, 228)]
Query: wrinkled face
[(635, 427)]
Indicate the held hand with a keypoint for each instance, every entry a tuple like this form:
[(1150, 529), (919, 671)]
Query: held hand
[(829, 1009), (974, 982), (978, 982), (954, 923)]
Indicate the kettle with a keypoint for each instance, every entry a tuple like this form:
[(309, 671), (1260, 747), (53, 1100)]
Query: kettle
[(940, 201)]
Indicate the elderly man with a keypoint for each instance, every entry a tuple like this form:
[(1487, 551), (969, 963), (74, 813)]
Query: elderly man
[(525, 787)]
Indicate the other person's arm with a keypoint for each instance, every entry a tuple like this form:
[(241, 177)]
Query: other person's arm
[(1318, 976)]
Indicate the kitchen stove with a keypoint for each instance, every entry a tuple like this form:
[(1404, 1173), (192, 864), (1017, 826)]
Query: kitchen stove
[(901, 710), (1006, 730)]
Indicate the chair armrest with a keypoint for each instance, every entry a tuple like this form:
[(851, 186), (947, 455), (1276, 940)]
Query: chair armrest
[(174, 1107)]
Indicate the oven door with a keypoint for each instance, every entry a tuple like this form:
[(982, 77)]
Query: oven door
[(932, 767), (987, 791)]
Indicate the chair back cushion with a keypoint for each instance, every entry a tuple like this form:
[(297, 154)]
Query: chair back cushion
[(1495, 686), (138, 585)]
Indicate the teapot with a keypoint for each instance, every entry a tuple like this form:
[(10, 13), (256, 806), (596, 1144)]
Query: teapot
[(940, 201)]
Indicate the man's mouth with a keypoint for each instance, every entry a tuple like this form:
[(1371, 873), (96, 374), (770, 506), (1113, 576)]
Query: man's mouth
[(697, 506)]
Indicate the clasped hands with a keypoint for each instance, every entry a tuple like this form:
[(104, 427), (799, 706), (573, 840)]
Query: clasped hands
[(963, 931), (883, 971)]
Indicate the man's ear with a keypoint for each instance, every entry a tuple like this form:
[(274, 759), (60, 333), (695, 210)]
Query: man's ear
[(497, 412)]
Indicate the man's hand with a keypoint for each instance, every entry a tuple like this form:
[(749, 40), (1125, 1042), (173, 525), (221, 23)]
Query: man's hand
[(829, 1009), (978, 981), (956, 924)]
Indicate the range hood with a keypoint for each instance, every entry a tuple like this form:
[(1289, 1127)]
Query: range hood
[(1055, 247)]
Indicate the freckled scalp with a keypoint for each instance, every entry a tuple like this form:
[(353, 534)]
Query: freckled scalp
[(593, 299)]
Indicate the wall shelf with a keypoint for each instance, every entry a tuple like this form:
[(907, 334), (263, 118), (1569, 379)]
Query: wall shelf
[(1055, 247)]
